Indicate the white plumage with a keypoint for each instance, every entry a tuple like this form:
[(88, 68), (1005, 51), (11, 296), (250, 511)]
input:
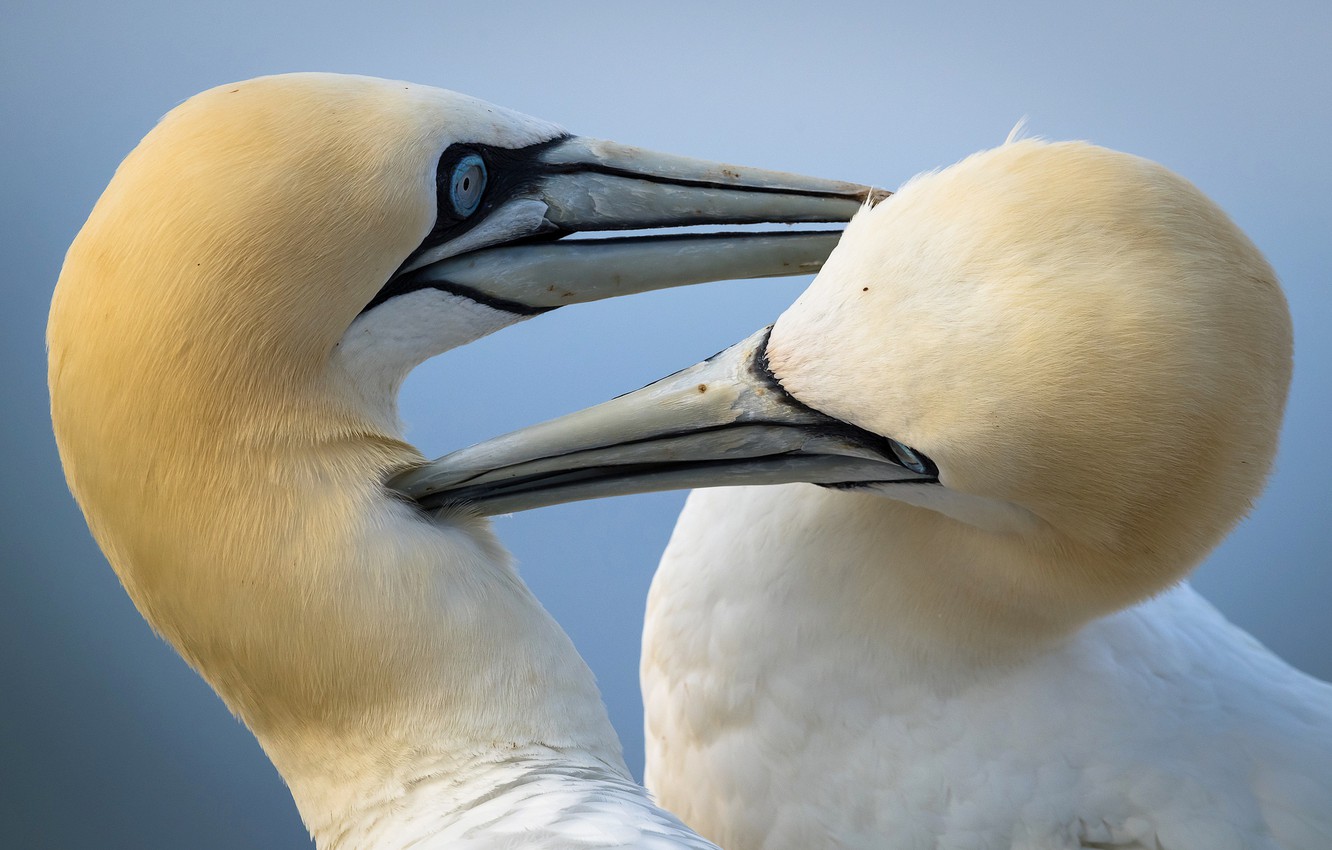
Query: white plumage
[(1097, 361), (784, 711)]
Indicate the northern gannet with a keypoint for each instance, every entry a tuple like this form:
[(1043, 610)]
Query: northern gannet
[(226, 341), (1040, 385)]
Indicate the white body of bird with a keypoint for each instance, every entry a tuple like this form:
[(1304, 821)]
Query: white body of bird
[(830, 669), (786, 707), (227, 339)]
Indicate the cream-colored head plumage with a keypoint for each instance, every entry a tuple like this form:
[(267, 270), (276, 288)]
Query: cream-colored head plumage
[(1094, 356)]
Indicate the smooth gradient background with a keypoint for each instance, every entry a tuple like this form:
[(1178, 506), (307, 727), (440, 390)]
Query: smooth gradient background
[(107, 739)]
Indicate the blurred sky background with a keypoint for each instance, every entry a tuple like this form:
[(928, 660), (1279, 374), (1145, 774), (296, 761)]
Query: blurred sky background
[(107, 739)]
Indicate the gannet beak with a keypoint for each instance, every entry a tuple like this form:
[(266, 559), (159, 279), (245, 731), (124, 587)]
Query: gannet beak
[(512, 254), (725, 421)]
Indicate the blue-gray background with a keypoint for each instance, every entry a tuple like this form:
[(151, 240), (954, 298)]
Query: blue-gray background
[(108, 740)]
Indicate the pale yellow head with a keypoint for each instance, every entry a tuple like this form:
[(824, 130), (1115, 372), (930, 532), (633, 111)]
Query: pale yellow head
[(1091, 352)]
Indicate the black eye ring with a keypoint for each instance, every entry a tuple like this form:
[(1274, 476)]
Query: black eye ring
[(467, 184)]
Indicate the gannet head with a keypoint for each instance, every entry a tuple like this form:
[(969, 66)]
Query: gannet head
[(1068, 349), (1072, 332), (230, 329)]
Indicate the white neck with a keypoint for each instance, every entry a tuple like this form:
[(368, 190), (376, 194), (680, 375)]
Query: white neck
[(865, 570)]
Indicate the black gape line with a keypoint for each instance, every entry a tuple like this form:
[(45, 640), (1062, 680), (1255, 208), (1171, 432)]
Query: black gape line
[(426, 277), (413, 282), (886, 447)]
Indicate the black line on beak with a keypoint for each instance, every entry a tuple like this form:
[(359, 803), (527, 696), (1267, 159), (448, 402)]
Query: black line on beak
[(411, 283), (613, 171)]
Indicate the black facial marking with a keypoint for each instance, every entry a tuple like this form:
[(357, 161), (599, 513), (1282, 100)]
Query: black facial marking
[(511, 171), (412, 283), (830, 426), (852, 486)]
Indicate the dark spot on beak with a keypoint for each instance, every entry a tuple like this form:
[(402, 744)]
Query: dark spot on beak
[(865, 289)]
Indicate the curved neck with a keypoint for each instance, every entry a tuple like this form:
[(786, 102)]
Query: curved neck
[(870, 571), (423, 655), (363, 642)]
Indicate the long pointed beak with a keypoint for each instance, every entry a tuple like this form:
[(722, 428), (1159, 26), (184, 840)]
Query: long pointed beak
[(516, 256), (725, 421)]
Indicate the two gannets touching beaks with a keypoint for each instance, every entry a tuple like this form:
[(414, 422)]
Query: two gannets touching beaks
[(226, 342), (1040, 386)]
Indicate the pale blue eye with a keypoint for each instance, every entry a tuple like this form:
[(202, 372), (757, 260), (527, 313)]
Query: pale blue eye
[(466, 184), (908, 457)]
